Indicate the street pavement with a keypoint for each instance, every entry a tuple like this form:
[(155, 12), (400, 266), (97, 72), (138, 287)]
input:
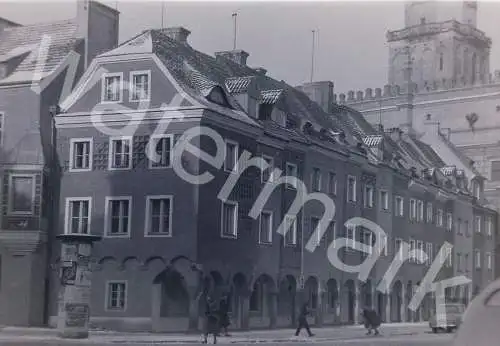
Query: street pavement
[(397, 334)]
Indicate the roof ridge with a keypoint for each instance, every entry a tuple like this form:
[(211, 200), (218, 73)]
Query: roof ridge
[(33, 25)]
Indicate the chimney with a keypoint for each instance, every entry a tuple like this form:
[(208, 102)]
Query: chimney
[(177, 33), (238, 56), (321, 93), (260, 70), (97, 25)]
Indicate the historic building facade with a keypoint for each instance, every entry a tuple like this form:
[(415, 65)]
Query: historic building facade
[(167, 242), (38, 66), (446, 60)]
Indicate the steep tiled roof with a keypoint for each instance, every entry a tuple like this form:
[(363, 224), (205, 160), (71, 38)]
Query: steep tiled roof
[(20, 40)]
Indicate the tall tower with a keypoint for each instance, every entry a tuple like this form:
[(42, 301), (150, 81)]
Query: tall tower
[(445, 45)]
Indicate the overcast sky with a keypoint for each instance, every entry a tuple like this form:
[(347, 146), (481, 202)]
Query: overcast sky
[(351, 47)]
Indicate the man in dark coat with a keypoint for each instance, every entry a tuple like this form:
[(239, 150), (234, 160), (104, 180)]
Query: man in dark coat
[(211, 320), (304, 312), (224, 321), (371, 319)]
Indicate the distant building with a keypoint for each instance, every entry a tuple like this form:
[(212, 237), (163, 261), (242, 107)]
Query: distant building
[(439, 64), (38, 65), (168, 243)]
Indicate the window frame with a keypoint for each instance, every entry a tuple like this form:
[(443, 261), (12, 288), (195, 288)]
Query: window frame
[(107, 296), (401, 210), (147, 221), (413, 209), (429, 249), (67, 217), (132, 74), (420, 210), (269, 241), (108, 215), (288, 184), (111, 154), (293, 229), (440, 217), (103, 87), (384, 203), (313, 180), (271, 168), (429, 212), (477, 259), (478, 225), (236, 155), (2, 128), (398, 248), (152, 150), (332, 192), (235, 234), (74, 141), (489, 226), (369, 198), (355, 186), (449, 225), (489, 260), (10, 196)]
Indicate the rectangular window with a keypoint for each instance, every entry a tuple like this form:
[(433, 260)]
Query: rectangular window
[(160, 151), (477, 258), (429, 213), (489, 261), (351, 189), (231, 161), (291, 171), (466, 263), (351, 238), (267, 174), (116, 296), (120, 153), (495, 170), (159, 216), (459, 226), (368, 196), (266, 227), (140, 89), (367, 239), (117, 215), (384, 200), (489, 226), (398, 249), (332, 183), (430, 253), (413, 246), (459, 262), (81, 154), (316, 180), (112, 90), (399, 206), (291, 231), (440, 218), (331, 234), (413, 209), (78, 212), (449, 257), (477, 223), (314, 224), (420, 248), (21, 194), (420, 211), (467, 228), (229, 219), (2, 128), (383, 245), (449, 221)]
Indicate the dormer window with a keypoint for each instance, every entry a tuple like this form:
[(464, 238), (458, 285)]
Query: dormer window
[(112, 90), (140, 85), (217, 96)]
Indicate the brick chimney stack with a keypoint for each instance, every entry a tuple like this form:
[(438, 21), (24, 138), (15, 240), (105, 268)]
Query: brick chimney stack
[(177, 33), (238, 56)]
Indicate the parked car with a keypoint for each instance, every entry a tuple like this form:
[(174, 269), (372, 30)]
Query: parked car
[(481, 320), (452, 319)]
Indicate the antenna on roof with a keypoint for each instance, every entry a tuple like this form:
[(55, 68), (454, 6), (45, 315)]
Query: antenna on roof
[(162, 14), (235, 15), (312, 54)]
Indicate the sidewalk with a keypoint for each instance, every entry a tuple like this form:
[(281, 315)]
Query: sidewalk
[(44, 335)]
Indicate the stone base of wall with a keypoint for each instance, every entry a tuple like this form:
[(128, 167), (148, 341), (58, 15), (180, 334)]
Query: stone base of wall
[(123, 324)]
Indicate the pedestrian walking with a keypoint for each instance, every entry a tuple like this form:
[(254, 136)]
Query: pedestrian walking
[(371, 320), (211, 320), (224, 320), (304, 312)]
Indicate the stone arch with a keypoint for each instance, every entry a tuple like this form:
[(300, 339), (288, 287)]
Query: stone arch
[(129, 262), (287, 298), (349, 296), (332, 291), (409, 294), (107, 261), (311, 290), (174, 296), (397, 301), (239, 294), (261, 296), (154, 260), (366, 294)]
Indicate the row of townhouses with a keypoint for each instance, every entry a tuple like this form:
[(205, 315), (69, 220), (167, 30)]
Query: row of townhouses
[(90, 146)]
